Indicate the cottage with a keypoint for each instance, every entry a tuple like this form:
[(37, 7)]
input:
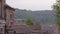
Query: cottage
[(9, 15), (6, 16)]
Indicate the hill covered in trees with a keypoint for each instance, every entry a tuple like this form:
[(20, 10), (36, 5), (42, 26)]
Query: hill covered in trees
[(43, 16)]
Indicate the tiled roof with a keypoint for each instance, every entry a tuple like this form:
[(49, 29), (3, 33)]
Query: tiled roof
[(7, 6), (35, 26), (25, 28), (20, 28)]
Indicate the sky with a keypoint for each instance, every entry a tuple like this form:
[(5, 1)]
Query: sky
[(31, 4)]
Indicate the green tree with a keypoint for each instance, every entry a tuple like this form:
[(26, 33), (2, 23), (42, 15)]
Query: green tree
[(56, 7), (29, 21)]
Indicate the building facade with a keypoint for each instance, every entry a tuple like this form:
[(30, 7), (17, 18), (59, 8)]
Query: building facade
[(6, 12), (2, 17), (6, 16), (9, 15)]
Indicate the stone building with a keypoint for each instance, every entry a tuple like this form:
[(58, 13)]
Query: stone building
[(6, 12), (2, 17), (9, 15), (6, 16)]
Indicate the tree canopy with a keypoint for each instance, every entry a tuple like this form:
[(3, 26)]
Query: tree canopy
[(29, 21), (57, 9)]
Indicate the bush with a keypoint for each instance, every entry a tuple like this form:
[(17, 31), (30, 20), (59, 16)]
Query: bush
[(29, 21)]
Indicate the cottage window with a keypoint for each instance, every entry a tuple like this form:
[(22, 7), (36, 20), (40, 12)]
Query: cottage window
[(10, 15)]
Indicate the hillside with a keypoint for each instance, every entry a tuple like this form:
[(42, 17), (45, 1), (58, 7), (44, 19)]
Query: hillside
[(44, 16)]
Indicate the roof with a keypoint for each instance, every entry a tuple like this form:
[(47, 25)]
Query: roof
[(35, 26), (20, 28), (25, 28), (7, 6)]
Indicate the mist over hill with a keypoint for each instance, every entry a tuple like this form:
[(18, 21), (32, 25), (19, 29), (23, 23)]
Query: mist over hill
[(43, 16)]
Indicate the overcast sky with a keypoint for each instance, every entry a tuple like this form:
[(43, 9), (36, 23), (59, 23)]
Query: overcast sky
[(31, 4)]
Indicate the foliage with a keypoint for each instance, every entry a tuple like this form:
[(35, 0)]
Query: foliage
[(29, 21), (44, 16), (56, 7)]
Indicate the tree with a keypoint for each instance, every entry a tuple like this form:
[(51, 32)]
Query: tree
[(56, 7), (29, 21)]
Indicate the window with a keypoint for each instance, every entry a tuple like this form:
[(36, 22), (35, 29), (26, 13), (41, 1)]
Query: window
[(10, 15)]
